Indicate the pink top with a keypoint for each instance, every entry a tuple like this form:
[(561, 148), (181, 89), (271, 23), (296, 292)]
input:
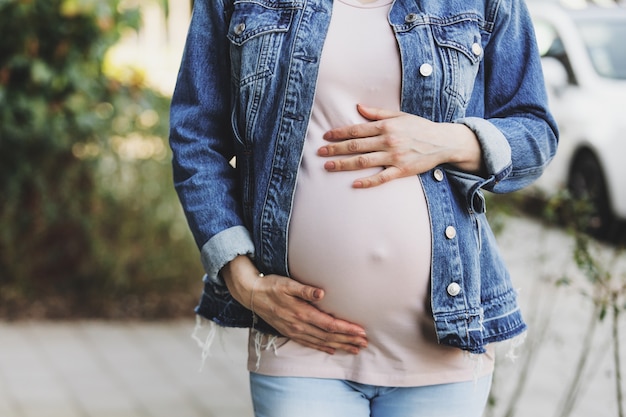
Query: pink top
[(369, 249)]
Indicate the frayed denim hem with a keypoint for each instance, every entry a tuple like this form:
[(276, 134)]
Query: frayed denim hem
[(263, 342), (205, 331), (514, 344), (204, 342)]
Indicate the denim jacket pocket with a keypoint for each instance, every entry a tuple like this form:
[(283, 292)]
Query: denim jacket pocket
[(461, 51), (256, 32)]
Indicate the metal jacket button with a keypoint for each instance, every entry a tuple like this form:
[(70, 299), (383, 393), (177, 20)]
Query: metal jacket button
[(240, 28), (450, 232), (438, 174), (426, 70), (410, 18), (454, 289), (477, 49)]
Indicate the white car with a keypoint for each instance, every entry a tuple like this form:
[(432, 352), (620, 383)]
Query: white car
[(584, 57)]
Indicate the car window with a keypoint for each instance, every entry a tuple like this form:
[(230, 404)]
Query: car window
[(551, 45), (604, 41)]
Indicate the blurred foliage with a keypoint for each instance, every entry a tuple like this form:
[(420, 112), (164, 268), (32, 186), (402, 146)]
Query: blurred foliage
[(90, 223), (561, 209)]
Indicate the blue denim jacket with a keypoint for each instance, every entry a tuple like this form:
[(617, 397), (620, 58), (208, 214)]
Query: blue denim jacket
[(245, 90)]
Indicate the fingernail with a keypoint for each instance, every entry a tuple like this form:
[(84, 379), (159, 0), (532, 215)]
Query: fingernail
[(322, 151), (329, 165), (317, 294)]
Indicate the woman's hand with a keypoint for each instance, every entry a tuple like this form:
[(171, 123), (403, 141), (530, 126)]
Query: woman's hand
[(285, 304), (402, 144)]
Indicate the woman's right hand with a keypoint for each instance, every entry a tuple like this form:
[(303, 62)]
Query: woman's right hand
[(285, 304)]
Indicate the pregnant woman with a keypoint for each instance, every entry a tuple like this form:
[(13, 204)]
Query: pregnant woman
[(330, 157)]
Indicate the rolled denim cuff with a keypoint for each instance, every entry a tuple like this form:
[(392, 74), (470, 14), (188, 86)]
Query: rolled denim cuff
[(495, 147), (223, 248)]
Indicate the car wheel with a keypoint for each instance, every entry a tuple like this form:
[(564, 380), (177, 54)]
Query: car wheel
[(588, 186)]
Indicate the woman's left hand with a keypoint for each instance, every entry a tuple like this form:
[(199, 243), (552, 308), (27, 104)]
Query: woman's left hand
[(402, 144)]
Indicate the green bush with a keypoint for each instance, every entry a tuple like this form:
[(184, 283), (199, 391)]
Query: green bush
[(90, 223)]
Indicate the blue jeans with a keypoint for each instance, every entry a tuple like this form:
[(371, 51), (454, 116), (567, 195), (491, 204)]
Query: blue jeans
[(313, 397)]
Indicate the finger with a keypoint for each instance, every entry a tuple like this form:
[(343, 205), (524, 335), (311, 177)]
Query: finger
[(381, 178), (286, 305), (358, 162), (309, 334), (340, 330), (302, 319), (363, 130), (353, 146), (377, 113), (304, 292), (326, 346), (350, 344), (357, 131), (326, 341), (325, 323), (353, 350)]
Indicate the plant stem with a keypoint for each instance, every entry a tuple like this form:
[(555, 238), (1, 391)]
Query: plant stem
[(571, 394), (531, 349), (617, 359)]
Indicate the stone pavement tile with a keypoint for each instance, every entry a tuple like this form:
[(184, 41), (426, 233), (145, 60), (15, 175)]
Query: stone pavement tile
[(6, 402), (31, 384), (124, 361), (99, 369), (79, 370)]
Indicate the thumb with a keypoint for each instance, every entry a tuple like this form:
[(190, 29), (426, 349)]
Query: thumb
[(376, 113)]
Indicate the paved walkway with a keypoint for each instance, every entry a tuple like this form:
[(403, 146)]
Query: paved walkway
[(99, 369), (132, 369)]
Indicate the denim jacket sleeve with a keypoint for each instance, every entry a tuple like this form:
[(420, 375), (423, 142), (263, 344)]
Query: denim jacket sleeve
[(202, 144), (508, 111)]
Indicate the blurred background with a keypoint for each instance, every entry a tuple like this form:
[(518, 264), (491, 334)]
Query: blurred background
[(90, 223), (95, 250)]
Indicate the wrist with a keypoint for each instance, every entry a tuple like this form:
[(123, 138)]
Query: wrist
[(240, 276), (465, 150)]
